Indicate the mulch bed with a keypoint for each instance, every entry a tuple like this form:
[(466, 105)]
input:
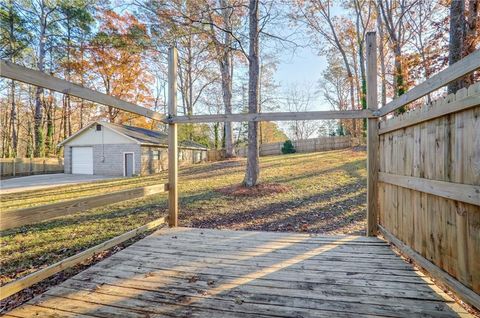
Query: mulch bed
[(262, 189)]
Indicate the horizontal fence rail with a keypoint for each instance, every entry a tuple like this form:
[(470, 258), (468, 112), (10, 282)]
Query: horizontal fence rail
[(277, 116), (37, 78), (455, 191), (439, 108), (29, 280), (455, 71), (17, 218)]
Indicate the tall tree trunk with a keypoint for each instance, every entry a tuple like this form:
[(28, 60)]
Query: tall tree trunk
[(38, 115), (382, 55), (227, 101), (13, 111), (67, 100), (363, 80), (13, 122), (226, 70), (455, 45), (216, 136), (395, 30), (49, 147), (472, 34), (253, 169), (30, 138)]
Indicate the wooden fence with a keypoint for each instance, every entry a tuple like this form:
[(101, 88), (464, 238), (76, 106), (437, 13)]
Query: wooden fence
[(301, 146), (28, 166), (429, 190), (305, 145)]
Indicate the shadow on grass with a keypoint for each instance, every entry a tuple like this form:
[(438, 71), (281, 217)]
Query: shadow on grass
[(351, 168), (252, 219)]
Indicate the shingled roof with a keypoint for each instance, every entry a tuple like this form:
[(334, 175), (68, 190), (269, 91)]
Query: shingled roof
[(142, 135), (149, 137)]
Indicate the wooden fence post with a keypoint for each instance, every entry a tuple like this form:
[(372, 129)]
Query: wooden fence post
[(372, 136), (172, 139)]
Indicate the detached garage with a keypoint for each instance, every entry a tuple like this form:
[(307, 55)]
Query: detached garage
[(108, 149)]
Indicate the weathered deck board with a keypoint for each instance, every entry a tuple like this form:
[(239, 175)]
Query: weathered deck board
[(198, 273)]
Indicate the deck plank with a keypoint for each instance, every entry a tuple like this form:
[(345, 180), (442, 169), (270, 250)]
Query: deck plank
[(184, 272)]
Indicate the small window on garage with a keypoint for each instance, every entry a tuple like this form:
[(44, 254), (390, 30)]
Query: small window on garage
[(99, 127), (155, 154)]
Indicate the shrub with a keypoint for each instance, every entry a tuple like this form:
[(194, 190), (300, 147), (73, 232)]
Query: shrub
[(288, 147)]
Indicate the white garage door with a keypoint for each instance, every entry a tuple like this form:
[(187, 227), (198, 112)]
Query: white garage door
[(82, 160)]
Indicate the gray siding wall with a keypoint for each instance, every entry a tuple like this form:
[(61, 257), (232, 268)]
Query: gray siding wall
[(151, 165), (112, 163), (67, 159)]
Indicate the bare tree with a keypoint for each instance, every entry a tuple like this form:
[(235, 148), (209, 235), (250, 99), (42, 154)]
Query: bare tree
[(381, 53), (253, 168), (393, 17), (222, 37), (335, 89), (299, 99), (318, 16)]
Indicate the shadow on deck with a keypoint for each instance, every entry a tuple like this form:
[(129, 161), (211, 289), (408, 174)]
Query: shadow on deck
[(186, 272)]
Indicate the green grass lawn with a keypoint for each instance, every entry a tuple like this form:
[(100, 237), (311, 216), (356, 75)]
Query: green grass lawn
[(326, 194)]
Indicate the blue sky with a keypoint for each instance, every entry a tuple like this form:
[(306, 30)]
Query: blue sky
[(302, 67)]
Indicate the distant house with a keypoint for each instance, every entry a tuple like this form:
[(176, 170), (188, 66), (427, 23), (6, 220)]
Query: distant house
[(108, 149)]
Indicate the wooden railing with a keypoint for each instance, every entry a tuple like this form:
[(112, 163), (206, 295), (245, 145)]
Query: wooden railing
[(16, 218), (20, 217)]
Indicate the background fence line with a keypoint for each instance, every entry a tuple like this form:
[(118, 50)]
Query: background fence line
[(301, 146), (28, 166)]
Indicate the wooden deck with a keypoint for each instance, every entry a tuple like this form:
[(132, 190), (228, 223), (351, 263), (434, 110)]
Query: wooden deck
[(185, 272)]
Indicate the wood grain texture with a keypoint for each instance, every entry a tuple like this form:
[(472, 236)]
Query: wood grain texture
[(450, 190), (430, 173), (172, 138), (278, 116), (372, 136), (179, 272), (37, 78), (21, 217)]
